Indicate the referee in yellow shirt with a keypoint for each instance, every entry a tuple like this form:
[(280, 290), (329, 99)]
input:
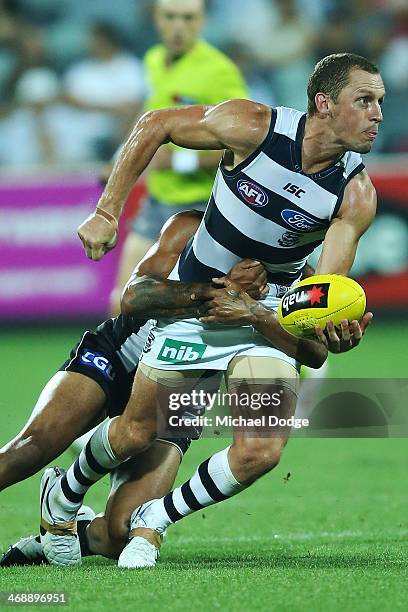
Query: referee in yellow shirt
[(182, 70)]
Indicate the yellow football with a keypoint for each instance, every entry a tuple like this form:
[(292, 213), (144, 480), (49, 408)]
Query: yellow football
[(318, 299)]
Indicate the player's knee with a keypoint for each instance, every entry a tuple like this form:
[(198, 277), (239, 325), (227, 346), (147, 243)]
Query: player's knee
[(118, 531), (22, 458), (259, 457), (40, 446), (29, 449), (139, 435), (96, 533)]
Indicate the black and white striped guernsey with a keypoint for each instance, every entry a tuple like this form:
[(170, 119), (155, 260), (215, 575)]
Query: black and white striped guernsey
[(267, 208)]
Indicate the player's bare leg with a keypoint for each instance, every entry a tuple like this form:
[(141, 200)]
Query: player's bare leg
[(253, 453), (134, 248), (113, 442), (69, 404), (135, 429), (151, 475)]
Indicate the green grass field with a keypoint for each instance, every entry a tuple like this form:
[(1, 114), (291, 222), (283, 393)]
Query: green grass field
[(334, 536)]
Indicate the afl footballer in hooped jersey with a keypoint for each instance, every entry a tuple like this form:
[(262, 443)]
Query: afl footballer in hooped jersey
[(287, 183), (267, 209)]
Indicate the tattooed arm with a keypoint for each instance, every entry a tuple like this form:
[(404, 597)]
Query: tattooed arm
[(232, 306), (148, 293)]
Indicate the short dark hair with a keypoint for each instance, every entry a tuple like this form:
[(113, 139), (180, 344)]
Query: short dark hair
[(331, 75)]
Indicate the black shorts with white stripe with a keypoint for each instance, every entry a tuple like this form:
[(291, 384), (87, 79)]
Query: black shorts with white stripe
[(95, 357)]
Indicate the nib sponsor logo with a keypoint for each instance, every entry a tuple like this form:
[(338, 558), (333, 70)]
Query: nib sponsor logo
[(174, 351), (308, 296), (253, 194)]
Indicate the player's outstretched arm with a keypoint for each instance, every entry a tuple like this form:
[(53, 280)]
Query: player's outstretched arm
[(355, 215), (237, 125), (149, 294)]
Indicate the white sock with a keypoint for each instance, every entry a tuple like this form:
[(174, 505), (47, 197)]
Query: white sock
[(94, 461), (211, 483)]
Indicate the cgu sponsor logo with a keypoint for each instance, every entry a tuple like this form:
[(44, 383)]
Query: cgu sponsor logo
[(98, 361), (174, 351), (252, 193), (299, 221), (308, 296)]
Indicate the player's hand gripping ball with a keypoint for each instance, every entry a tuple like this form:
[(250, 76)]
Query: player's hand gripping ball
[(318, 299)]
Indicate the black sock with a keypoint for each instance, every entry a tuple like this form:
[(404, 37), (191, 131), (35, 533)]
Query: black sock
[(83, 539)]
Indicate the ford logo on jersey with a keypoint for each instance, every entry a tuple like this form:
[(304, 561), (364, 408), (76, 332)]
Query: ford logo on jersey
[(300, 221), (252, 193)]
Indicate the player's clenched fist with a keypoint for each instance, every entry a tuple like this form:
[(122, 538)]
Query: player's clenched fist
[(98, 233)]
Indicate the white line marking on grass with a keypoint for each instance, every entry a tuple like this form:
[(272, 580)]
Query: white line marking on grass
[(298, 537)]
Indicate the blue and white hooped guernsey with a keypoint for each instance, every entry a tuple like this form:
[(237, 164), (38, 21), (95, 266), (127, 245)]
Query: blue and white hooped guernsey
[(267, 208)]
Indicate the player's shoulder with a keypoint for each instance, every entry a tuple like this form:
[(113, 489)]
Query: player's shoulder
[(241, 111), (287, 121), (353, 166), (217, 58), (184, 221), (359, 200), (362, 183)]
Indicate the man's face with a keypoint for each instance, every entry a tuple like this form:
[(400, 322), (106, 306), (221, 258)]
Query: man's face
[(356, 116), (179, 23)]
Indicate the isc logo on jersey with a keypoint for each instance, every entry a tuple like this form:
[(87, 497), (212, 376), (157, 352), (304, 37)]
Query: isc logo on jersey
[(99, 362), (300, 221), (252, 193)]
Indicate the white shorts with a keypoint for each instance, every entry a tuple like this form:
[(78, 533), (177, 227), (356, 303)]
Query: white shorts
[(189, 344)]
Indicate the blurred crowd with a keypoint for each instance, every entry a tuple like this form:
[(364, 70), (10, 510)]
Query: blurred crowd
[(72, 79)]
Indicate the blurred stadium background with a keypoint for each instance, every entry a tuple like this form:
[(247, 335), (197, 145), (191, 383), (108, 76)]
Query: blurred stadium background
[(58, 127), (63, 114)]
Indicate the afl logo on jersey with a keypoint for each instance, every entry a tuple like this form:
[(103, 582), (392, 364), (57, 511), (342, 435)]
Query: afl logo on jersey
[(299, 221), (253, 194)]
